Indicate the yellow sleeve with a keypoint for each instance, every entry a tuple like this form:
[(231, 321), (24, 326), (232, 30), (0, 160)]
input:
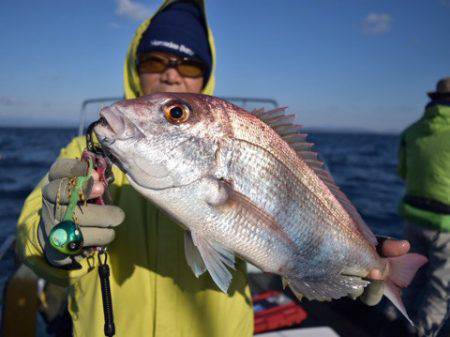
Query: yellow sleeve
[(28, 247), (401, 168)]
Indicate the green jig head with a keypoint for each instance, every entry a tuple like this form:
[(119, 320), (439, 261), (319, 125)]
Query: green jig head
[(66, 237)]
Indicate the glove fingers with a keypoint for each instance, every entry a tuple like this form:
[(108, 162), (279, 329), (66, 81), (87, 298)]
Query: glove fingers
[(60, 260), (93, 215), (373, 293), (61, 188), (50, 215), (357, 293), (67, 168), (95, 236), (90, 215)]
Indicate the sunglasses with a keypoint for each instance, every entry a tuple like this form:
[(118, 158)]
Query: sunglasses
[(158, 64)]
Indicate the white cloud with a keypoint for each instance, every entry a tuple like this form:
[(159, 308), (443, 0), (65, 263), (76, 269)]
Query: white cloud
[(377, 24), (133, 10)]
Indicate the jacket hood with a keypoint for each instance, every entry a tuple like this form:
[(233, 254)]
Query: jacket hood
[(131, 83)]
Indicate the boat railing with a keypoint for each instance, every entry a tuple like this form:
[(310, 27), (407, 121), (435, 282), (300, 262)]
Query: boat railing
[(6, 245)]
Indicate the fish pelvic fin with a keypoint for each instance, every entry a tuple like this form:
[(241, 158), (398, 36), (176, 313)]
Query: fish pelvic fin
[(193, 257), (326, 288), (216, 258), (401, 272)]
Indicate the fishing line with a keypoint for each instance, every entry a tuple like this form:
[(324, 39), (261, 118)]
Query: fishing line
[(103, 267)]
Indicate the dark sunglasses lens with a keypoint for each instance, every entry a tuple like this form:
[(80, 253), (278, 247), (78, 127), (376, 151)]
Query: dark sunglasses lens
[(152, 65), (191, 69)]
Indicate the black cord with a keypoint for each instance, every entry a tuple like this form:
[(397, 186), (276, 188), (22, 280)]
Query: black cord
[(89, 142), (103, 268), (103, 272)]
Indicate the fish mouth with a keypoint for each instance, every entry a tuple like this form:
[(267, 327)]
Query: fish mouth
[(111, 123)]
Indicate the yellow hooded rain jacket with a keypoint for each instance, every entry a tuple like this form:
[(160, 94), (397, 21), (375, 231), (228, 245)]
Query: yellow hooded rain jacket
[(154, 291)]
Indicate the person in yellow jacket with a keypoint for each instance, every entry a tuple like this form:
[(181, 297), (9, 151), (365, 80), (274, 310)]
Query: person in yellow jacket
[(154, 291)]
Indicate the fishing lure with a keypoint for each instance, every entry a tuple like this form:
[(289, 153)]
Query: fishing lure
[(66, 237)]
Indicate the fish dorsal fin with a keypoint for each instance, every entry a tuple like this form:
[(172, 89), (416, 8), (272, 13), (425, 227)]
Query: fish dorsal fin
[(262, 114), (283, 124)]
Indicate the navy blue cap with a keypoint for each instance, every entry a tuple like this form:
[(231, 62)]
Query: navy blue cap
[(179, 29)]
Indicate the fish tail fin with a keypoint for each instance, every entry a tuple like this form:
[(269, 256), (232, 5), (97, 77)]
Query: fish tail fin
[(403, 268), (401, 272), (394, 293)]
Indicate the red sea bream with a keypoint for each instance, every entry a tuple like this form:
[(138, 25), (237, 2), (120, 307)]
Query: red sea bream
[(248, 185)]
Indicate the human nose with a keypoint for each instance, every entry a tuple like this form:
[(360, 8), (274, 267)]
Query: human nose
[(171, 76)]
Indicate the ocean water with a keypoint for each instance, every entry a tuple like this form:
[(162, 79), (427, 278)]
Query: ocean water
[(363, 165)]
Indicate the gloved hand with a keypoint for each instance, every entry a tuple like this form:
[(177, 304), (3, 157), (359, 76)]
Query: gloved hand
[(96, 222), (373, 293)]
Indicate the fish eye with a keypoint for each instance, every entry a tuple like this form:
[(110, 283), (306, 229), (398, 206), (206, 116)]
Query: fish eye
[(176, 113)]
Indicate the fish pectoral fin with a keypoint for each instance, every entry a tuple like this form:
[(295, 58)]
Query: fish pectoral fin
[(239, 204), (214, 191), (193, 257), (216, 259), (326, 288)]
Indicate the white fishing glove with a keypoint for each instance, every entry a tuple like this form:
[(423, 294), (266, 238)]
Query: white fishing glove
[(96, 222)]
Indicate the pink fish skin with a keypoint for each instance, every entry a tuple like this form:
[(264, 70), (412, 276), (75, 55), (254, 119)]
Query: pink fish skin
[(248, 185)]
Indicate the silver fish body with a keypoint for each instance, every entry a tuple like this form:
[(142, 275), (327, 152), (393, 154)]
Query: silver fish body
[(242, 188)]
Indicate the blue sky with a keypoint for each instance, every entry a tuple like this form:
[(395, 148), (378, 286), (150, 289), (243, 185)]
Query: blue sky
[(363, 64)]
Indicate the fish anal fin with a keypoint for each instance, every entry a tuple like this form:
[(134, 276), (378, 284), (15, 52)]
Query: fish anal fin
[(326, 288)]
